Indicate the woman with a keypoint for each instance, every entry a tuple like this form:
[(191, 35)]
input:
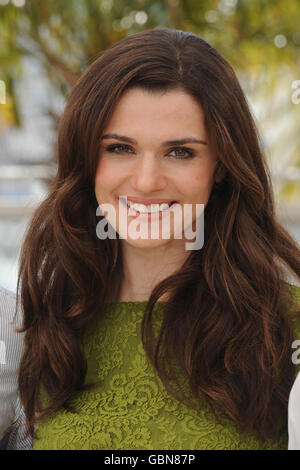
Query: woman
[(142, 342)]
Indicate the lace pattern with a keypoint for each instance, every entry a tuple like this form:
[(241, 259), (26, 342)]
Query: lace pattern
[(130, 409)]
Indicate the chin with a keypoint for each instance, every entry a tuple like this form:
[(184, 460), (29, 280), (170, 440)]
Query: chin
[(147, 243)]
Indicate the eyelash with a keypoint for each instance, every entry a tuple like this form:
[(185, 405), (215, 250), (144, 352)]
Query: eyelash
[(190, 153)]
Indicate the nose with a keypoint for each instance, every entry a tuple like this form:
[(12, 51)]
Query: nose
[(148, 175)]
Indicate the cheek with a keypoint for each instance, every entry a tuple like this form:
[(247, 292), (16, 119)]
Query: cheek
[(106, 177), (198, 184)]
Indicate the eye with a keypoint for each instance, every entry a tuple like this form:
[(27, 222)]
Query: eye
[(118, 148), (185, 153)]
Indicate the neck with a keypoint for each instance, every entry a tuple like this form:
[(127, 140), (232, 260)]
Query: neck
[(144, 268)]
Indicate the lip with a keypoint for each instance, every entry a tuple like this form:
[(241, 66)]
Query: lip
[(147, 202), (150, 216)]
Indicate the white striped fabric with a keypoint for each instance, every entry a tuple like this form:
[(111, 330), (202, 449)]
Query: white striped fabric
[(13, 433)]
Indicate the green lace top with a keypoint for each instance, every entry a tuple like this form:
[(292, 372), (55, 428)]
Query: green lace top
[(131, 410)]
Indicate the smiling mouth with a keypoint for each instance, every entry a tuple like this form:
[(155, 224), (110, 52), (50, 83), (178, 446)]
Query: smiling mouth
[(147, 208)]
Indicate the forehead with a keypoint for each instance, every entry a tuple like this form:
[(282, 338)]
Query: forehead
[(141, 110)]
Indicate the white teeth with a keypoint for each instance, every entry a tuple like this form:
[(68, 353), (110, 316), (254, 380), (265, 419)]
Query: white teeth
[(151, 208), (164, 206)]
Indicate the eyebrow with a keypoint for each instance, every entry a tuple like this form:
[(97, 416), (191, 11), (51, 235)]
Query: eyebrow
[(185, 140)]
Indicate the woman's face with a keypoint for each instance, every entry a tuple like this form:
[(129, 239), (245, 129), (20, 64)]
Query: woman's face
[(138, 162)]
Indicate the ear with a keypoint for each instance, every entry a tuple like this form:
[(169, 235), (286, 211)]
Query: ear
[(220, 172)]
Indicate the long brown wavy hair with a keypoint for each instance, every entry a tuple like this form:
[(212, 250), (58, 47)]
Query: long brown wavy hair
[(226, 325)]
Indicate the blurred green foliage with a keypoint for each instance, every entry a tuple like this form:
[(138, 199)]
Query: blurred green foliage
[(258, 37), (66, 36)]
